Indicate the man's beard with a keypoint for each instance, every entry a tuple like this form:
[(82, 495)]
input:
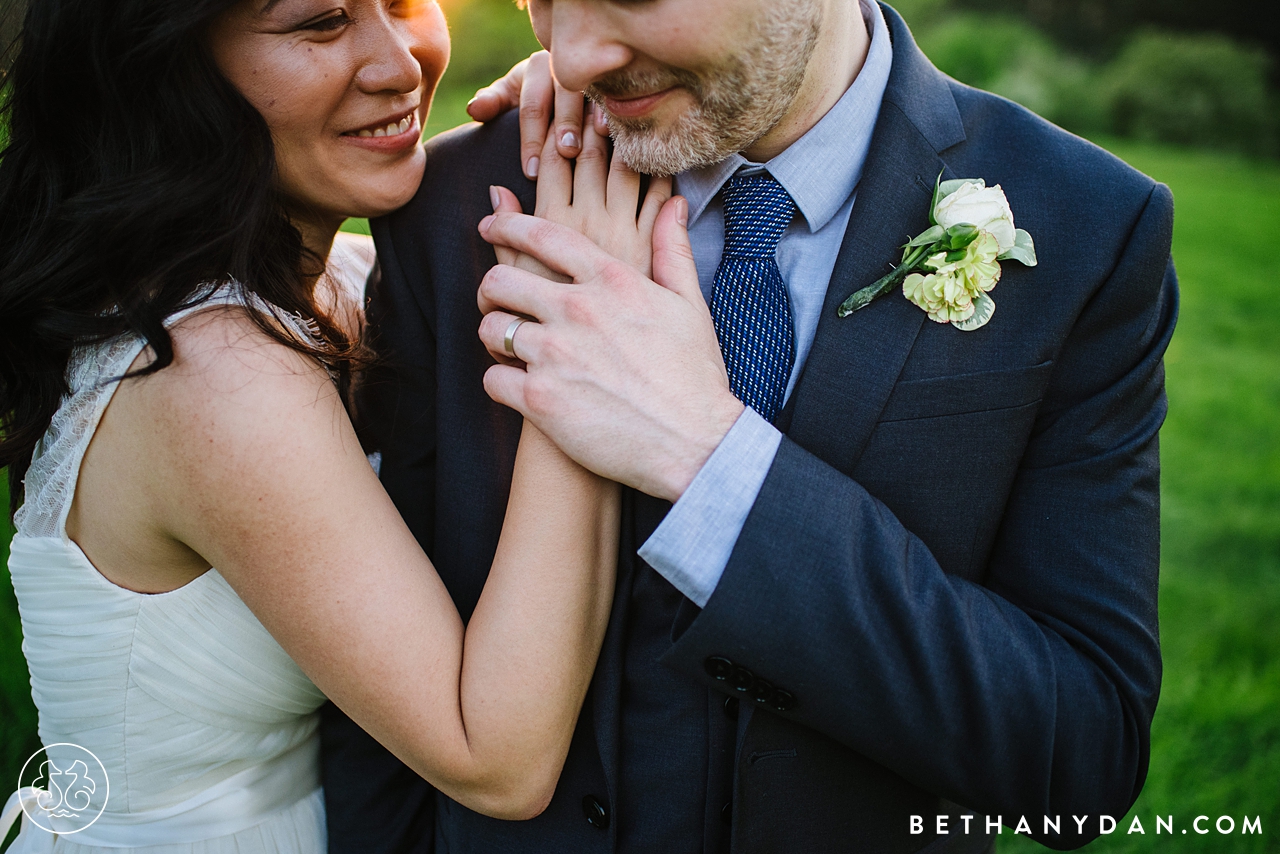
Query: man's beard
[(735, 103)]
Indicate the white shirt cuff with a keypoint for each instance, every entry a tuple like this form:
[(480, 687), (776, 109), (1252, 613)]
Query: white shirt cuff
[(693, 544)]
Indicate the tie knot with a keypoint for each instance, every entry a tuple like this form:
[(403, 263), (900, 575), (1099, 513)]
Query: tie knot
[(757, 210)]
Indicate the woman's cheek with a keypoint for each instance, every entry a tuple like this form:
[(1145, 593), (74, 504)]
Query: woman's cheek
[(432, 38)]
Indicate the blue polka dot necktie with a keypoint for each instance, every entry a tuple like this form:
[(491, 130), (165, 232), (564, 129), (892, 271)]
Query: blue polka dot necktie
[(749, 302)]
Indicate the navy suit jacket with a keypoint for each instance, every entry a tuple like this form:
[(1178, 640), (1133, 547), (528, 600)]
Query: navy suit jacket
[(951, 568)]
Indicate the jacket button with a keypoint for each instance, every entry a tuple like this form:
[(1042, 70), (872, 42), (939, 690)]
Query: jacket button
[(762, 692), (726, 813), (742, 679), (783, 701), (731, 708), (597, 814), (718, 667)]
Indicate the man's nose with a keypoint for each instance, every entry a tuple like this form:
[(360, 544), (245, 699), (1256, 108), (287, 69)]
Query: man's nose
[(584, 43)]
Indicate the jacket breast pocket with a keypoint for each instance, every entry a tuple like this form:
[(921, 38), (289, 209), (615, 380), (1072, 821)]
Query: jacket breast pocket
[(951, 445), (960, 394)]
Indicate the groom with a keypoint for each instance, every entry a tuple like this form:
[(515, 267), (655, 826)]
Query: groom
[(909, 593)]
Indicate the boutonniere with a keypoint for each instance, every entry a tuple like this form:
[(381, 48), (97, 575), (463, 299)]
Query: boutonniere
[(950, 269)]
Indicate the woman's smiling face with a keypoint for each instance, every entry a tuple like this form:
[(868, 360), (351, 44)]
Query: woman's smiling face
[(344, 86)]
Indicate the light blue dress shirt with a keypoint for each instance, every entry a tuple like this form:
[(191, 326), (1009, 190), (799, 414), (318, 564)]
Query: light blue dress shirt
[(820, 171)]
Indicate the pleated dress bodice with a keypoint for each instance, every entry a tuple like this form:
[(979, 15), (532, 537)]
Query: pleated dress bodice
[(207, 729)]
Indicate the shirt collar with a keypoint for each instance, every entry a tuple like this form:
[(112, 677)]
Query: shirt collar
[(822, 168)]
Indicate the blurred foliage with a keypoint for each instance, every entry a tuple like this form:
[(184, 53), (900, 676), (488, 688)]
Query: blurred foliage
[(488, 36), (1100, 28), (980, 49), (1005, 55), (1192, 90), (1198, 89), (18, 738), (11, 14)]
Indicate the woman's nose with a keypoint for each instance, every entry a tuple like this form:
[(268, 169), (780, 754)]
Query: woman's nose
[(389, 63)]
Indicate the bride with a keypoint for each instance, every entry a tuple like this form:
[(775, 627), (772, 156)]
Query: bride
[(175, 174)]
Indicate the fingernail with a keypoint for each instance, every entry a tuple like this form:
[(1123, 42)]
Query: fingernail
[(531, 168), (682, 211), (486, 223), (494, 198), (569, 140)]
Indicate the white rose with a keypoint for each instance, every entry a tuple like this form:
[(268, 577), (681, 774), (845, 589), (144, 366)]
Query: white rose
[(983, 207)]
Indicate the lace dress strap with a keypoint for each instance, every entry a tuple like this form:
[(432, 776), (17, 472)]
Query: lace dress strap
[(93, 375)]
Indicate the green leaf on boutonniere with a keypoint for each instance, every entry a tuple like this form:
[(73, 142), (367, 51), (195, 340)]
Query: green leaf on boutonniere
[(983, 307), (1023, 251), (960, 236), (929, 238)]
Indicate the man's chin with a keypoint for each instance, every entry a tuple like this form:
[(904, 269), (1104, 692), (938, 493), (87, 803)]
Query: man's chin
[(665, 141), (660, 151)]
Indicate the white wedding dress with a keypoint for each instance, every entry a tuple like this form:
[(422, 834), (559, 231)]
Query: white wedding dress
[(206, 727)]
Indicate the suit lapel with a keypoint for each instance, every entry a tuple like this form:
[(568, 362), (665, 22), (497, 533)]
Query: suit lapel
[(855, 361)]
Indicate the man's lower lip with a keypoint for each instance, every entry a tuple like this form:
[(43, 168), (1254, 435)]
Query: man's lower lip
[(631, 108)]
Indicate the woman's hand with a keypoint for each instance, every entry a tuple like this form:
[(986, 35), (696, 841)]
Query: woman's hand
[(531, 86), (597, 199), (595, 196)]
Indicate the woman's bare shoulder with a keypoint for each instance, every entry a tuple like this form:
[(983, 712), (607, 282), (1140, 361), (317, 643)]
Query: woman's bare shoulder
[(224, 350), (233, 386)]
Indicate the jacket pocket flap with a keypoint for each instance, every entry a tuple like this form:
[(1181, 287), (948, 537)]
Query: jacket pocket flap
[(958, 394)]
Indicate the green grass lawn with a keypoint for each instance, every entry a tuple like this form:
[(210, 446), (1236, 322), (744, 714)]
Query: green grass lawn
[(1216, 738), (17, 713), (1216, 741)]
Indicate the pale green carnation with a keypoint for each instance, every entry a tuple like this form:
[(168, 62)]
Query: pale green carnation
[(947, 294)]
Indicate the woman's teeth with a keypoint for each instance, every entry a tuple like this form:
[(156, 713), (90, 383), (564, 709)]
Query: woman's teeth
[(393, 129)]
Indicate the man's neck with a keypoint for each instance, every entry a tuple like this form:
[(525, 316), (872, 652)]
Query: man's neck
[(837, 59)]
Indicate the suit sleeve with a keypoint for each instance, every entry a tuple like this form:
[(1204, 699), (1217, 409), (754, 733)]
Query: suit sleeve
[(375, 804), (1031, 693)]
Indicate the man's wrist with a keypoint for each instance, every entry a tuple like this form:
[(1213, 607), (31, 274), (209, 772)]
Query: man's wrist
[(694, 453), (693, 544)]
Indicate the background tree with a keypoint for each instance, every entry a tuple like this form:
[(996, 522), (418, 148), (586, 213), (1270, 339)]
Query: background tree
[(1100, 27)]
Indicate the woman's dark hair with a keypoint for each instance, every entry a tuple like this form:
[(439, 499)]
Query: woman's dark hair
[(133, 175)]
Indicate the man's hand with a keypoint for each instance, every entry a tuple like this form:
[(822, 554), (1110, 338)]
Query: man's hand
[(624, 372)]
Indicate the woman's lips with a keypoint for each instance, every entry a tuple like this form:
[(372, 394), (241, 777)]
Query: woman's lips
[(631, 108), (396, 136)]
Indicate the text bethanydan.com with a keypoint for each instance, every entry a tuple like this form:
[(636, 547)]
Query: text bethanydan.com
[(969, 823)]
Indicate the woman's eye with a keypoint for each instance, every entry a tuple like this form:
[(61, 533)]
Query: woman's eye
[(327, 24), (408, 8)]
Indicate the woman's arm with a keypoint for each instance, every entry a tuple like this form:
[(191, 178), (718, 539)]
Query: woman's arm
[(251, 462)]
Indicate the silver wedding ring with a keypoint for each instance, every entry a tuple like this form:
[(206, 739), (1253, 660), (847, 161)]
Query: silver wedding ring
[(509, 340)]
